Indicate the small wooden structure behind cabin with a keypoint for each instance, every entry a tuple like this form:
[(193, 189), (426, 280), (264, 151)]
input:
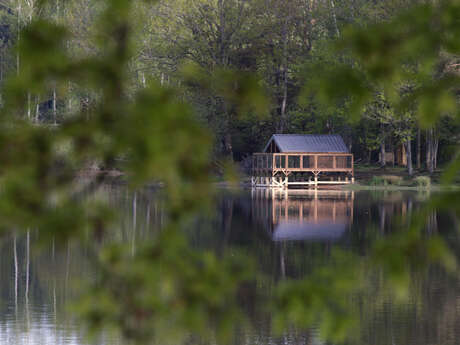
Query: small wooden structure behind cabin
[(302, 160), (396, 157)]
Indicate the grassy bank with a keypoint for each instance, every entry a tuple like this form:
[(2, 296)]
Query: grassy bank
[(372, 177)]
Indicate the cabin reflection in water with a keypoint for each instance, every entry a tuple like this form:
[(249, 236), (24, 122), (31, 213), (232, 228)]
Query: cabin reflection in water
[(304, 215)]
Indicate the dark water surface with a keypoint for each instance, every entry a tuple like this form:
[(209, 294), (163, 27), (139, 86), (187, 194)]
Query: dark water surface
[(288, 234)]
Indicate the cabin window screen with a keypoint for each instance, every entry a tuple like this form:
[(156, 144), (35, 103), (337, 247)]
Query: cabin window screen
[(325, 162), (308, 162), (264, 162), (294, 162), (341, 162), (270, 161), (349, 162), (280, 162)]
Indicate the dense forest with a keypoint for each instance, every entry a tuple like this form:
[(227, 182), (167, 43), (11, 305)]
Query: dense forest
[(280, 42)]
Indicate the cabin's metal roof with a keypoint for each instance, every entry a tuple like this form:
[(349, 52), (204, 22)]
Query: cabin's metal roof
[(308, 143)]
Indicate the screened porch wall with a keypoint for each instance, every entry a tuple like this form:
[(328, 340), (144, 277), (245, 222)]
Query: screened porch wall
[(273, 162)]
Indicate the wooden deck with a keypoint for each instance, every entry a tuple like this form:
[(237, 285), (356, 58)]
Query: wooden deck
[(274, 169)]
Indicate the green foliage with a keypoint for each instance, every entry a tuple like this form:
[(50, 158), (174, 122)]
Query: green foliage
[(166, 291), (377, 181), (241, 90), (407, 251), (384, 180), (452, 172), (153, 137), (325, 298), (321, 299), (402, 51), (423, 181), (400, 57), (389, 70)]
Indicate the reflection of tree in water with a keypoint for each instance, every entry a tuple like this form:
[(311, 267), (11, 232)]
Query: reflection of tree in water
[(242, 223), (385, 320), (36, 282)]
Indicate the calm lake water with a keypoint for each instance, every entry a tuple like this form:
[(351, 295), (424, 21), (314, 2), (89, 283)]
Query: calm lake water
[(288, 234)]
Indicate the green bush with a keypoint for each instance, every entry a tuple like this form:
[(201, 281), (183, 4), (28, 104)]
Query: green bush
[(376, 181), (385, 180), (393, 179), (423, 181)]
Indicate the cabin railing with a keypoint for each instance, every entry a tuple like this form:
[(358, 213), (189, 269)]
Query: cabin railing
[(271, 163)]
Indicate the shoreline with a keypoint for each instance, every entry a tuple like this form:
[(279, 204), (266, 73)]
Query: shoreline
[(432, 188), (243, 183), (357, 186)]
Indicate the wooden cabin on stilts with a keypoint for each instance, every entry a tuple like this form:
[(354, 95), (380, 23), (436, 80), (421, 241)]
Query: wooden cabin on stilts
[(290, 160)]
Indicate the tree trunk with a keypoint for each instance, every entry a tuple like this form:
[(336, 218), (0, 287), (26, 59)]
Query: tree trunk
[(228, 145), (15, 271), (382, 154), (27, 264), (382, 147), (227, 137), (220, 8), (37, 109), (54, 302), (334, 18), (133, 244), (284, 79), (147, 217), (28, 106), (394, 156), (19, 37), (69, 100), (227, 217), (382, 219), (432, 143), (67, 268), (392, 150), (409, 157), (428, 151), (419, 149), (54, 106)]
